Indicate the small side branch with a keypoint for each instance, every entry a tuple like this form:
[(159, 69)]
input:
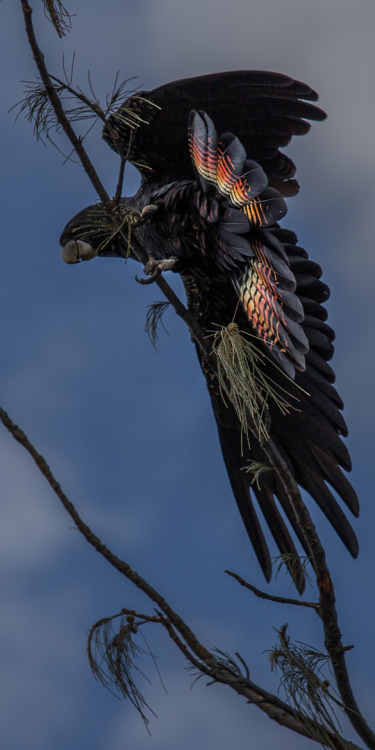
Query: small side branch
[(271, 597)]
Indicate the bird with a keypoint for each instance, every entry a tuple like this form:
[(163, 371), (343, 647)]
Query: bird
[(213, 192)]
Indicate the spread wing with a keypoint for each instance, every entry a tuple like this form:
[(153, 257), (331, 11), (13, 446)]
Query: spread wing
[(234, 195), (279, 303), (219, 200), (149, 129)]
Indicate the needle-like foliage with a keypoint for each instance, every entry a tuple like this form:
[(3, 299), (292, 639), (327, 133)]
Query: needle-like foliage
[(58, 15), (113, 655), (245, 384), (154, 318), (296, 565), (256, 469), (78, 106), (107, 227), (306, 686)]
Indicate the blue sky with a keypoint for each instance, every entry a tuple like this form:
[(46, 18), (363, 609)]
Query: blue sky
[(129, 432)]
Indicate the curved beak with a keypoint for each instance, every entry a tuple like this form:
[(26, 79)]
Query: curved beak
[(76, 250)]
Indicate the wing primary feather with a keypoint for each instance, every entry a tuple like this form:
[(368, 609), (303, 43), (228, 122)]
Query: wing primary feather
[(231, 188)]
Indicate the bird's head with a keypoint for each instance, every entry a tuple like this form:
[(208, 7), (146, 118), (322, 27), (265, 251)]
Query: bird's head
[(97, 231)]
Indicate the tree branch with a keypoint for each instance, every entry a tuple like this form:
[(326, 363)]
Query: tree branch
[(186, 641), (271, 597)]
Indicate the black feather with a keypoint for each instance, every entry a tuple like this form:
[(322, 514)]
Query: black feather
[(218, 199)]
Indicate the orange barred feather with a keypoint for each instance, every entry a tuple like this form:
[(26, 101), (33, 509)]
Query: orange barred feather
[(266, 285)]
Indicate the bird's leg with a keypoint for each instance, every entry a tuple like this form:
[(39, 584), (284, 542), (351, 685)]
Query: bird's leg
[(154, 268)]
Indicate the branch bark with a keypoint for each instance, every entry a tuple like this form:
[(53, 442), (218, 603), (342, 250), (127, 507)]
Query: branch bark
[(271, 597)]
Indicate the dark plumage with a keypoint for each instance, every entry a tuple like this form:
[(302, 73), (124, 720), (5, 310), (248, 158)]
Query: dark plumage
[(213, 174)]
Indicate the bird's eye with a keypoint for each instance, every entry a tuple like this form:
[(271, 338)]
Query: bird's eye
[(76, 250)]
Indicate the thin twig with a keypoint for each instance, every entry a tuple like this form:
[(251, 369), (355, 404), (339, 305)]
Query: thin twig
[(77, 94), (271, 597), (120, 180)]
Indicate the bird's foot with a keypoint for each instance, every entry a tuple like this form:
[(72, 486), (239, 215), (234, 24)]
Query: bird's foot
[(154, 268), (132, 216)]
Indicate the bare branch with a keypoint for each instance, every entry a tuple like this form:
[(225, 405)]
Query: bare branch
[(120, 181), (271, 597)]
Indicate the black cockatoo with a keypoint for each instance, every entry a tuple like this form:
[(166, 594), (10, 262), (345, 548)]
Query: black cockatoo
[(208, 207)]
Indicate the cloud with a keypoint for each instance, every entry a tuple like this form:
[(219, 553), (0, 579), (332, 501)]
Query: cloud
[(30, 531)]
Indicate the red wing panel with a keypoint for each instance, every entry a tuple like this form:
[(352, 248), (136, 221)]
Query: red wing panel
[(203, 147), (231, 159), (269, 306), (250, 184), (266, 209)]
